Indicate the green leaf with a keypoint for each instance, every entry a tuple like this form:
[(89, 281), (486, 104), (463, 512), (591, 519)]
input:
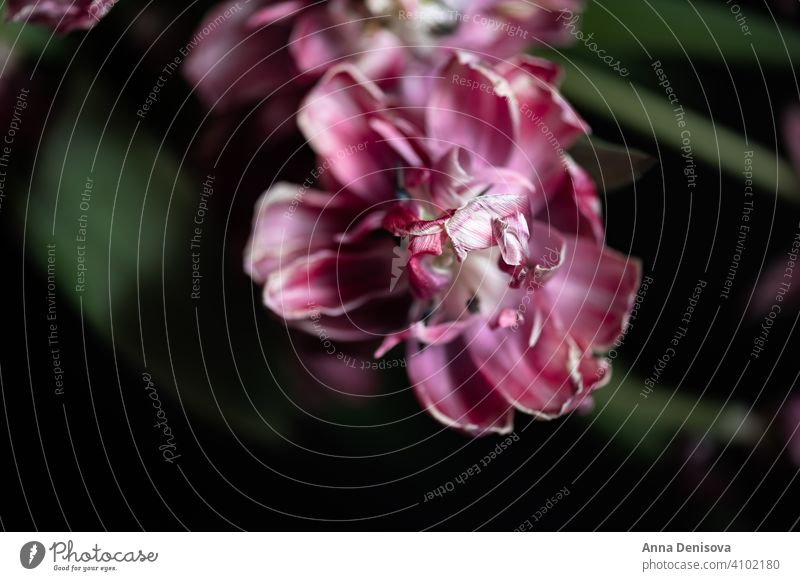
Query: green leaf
[(654, 417), (34, 41), (121, 215), (610, 166), (679, 29)]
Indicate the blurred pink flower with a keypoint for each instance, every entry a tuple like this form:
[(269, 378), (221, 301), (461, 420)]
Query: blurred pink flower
[(463, 230), (790, 419), (775, 273), (61, 15), (276, 50), (791, 134), (234, 61)]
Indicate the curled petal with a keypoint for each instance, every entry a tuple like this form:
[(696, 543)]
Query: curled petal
[(362, 228), (540, 69), (593, 293), (505, 181), (450, 388), (455, 181), (330, 282), (403, 138), (424, 275), (545, 254), (574, 205), (336, 118), (401, 218), (548, 125), (379, 317), (293, 221), (452, 179), (537, 367), (473, 107), (511, 235), (405, 219)]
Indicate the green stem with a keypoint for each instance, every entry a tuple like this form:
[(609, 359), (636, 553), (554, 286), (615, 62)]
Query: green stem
[(653, 418)]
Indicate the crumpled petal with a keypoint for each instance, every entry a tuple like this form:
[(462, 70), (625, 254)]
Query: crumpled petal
[(404, 219), (472, 227), (545, 254), (512, 234)]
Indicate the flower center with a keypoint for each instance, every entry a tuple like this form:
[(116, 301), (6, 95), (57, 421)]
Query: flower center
[(416, 22)]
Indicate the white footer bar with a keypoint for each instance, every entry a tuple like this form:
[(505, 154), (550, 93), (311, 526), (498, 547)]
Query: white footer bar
[(399, 556)]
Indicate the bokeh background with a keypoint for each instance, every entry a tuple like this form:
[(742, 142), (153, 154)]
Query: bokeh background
[(260, 444)]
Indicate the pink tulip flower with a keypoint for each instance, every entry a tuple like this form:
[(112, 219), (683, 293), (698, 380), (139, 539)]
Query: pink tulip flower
[(276, 50), (61, 15), (462, 230)]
